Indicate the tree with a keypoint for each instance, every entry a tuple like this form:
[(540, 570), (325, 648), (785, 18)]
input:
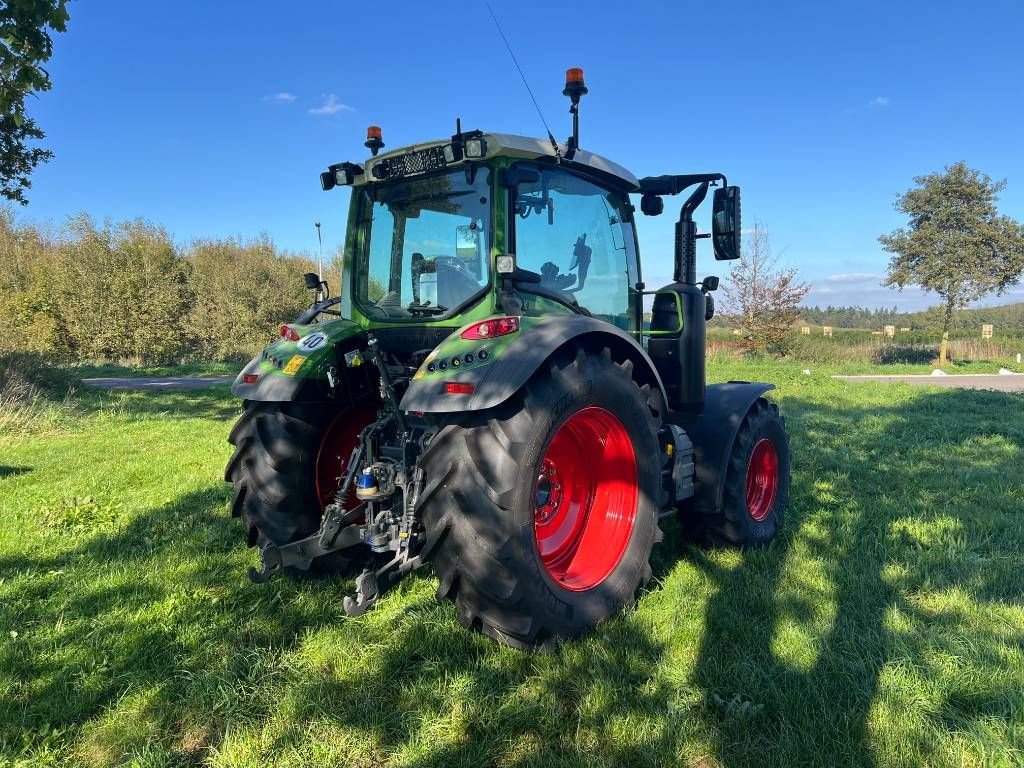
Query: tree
[(762, 298), (25, 45), (956, 243)]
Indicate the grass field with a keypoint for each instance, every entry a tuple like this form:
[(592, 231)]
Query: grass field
[(885, 627)]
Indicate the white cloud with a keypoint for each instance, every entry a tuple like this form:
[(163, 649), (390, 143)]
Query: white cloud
[(880, 102), (282, 97), (841, 294), (853, 277), (331, 106)]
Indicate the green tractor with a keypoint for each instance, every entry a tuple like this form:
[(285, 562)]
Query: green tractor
[(484, 394)]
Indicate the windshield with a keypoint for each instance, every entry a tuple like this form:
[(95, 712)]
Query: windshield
[(425, 248)]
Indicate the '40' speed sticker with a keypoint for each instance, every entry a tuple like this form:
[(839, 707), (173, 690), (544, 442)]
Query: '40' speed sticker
[(313, 341)]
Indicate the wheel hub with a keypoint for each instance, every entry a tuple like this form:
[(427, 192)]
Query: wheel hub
[(548, 496), (585, 499), (762, 479)]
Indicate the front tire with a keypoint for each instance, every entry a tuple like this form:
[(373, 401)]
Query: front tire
[(756, 482), (526, 562)]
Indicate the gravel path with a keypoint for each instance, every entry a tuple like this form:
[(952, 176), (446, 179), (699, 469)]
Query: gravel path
[(158, 382), (1013, 383)]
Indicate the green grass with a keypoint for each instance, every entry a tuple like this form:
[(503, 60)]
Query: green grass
[(885, 627)]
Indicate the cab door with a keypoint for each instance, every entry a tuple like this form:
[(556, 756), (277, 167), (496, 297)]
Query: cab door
[(578, 236)]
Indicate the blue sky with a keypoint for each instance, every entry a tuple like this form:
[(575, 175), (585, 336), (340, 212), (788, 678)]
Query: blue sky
[(214, 119)]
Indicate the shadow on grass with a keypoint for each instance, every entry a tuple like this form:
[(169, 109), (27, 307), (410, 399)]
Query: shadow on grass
[(159, 608), (6, 471), (902, 502), (151, 637)]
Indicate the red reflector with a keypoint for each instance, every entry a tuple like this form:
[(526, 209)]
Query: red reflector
[(458, 388), (488, 329), (250, 378), (289, 333)]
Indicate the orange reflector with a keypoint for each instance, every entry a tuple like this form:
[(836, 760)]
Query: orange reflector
[(250, 378), (458, 388), (573, 75), (373, 132)]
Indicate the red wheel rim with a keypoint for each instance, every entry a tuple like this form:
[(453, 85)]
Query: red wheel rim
[(336, 446), (585, 499), (762, 479)]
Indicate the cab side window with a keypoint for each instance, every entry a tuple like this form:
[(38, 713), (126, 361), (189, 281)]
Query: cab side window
[(573, 234)]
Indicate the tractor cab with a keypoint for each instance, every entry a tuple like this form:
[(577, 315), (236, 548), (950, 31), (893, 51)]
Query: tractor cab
[(427, 223)]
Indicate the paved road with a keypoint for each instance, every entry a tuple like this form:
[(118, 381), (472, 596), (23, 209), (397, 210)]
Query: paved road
[(999, 383), (160, 382)]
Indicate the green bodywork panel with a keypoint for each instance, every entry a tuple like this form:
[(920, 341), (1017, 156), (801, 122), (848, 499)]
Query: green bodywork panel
[(295, 359), (453, 351)]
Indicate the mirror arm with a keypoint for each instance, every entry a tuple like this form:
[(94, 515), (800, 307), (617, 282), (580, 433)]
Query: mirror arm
[(673, 184)]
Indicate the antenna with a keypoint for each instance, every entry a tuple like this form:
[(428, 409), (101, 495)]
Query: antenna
[(320, 256), (551, 138)]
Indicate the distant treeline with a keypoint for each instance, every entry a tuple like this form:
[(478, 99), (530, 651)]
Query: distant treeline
[(1006, 318), (126, 292)]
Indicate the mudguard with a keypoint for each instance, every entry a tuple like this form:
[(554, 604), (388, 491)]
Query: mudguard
[(297, 370), (509, 361), (713, 433)]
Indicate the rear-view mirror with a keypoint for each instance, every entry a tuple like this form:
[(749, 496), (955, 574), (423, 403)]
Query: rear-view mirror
[(312, 280), (725, 223)]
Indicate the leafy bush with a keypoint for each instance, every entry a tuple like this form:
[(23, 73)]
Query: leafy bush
[(126, 292)]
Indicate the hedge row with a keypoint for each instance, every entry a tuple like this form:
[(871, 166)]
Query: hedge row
[(127, 292)]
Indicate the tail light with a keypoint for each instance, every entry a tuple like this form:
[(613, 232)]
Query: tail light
[(287, 332), (488, 329), (250, 378), (458, 388)]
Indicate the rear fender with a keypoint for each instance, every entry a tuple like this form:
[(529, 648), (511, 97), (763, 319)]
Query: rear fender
[(713, 433), (511, 361), (293, 371)]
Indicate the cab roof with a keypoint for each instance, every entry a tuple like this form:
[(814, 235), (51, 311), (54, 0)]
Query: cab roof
[(525, 147)]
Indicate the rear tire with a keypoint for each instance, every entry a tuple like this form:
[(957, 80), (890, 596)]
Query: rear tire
[(756, 482), (488, 508), (281, 471)]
